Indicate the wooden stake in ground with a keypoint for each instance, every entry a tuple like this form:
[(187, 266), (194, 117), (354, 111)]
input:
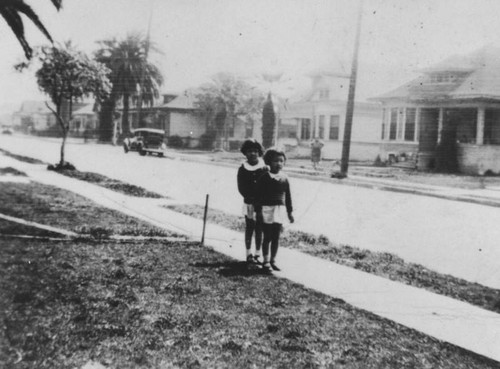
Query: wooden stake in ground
[(204, 222)]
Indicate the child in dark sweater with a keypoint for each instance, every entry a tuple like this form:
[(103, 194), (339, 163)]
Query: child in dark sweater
[(248, 174), (273, 199)]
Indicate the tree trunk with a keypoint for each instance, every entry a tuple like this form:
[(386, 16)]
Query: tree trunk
[(106, 120), (65, 129), (125, 120)]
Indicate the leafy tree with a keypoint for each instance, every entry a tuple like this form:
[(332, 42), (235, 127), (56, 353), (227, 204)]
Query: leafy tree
[(67, 75), (11, 11), (132, 76), (227, 97), (268, 122)]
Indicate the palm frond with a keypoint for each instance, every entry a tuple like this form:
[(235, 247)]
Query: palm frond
[(57, 4), (24, 8), (16, 25)]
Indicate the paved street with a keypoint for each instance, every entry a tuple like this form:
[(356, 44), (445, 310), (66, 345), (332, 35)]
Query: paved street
[(447, 236)]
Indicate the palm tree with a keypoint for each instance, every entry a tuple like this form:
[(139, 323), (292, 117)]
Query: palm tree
[(11, 11), (132, 75)]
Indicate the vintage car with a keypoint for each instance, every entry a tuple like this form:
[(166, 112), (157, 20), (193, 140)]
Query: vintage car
[(146, 141)]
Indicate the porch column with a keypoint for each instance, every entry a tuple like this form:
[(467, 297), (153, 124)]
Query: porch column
[(403, 123), (440, 123), (417, 124), (480, 126), (316, 126)]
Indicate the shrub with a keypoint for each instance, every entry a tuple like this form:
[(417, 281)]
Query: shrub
[(175, 141), (378, 162), (207, 140)]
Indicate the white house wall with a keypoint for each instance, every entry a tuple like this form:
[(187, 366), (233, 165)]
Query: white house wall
[(186, 125), (365, 134)]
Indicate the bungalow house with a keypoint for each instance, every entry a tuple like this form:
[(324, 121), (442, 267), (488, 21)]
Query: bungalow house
[(85, 121), (178, 116), (321, 114), (460, 94)]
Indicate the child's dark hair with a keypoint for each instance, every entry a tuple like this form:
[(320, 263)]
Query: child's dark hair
[(250, 144), (271, 154)]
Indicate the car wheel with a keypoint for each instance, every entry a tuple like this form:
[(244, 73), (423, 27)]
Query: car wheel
[(142, 152), (125, 148)]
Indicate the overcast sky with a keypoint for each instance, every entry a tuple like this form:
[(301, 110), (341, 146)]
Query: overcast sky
[(201, 37)]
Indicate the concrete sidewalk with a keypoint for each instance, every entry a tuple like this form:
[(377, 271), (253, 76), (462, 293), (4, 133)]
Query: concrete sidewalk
[(459, 323)]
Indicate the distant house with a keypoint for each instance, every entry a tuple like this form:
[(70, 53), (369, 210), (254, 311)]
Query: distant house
[(178, 116), (321, 114), (85, 121), (461, 93), (36, 118), (33, 116)]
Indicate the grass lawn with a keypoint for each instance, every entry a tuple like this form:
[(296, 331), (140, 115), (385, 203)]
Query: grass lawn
[(154, 304)]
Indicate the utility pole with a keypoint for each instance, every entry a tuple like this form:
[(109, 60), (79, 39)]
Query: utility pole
[(346, 145), (141, 82)]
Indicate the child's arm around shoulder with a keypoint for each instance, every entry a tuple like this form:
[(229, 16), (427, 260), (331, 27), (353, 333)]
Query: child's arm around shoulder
[(288, 201)]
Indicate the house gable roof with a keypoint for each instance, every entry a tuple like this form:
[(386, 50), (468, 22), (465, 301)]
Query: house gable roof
[(183, 101), (87, 109), (475, 76), (33, 107)]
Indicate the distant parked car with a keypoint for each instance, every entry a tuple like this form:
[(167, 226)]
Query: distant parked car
[(146, 141), (7, 130)]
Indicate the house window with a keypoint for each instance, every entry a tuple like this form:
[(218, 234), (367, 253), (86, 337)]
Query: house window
[(305, 132), (492, 127), (443, 78), (384, 112), (411, 114), (324, 93), (334, 127), (400, 123), (393, 124), (321, 126)]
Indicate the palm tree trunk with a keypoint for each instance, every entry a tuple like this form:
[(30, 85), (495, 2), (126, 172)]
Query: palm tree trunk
[(106, 120), (125, 120)]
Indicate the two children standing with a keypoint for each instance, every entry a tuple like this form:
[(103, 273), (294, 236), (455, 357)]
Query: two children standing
[(267, 201)]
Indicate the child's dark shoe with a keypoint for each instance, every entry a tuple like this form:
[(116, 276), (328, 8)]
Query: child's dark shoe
[(256, 260), (266, 268), (250, 259), (275, 267)]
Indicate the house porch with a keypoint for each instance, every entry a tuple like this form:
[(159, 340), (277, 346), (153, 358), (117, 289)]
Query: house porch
[(475, 127)]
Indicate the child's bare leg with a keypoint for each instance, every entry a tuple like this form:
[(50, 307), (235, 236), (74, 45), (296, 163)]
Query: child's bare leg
[(267, 231), (249, 229), (275, 239), (258, 238)]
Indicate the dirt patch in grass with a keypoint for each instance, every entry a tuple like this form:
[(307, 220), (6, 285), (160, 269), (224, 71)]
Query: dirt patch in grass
[(59, 208), (22, 158), (382, 264), (112, 184), (8, 171)]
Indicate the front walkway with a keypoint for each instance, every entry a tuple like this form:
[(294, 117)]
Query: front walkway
[(444, 318)]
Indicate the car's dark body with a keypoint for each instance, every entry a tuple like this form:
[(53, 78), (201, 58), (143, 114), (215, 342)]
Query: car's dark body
[(146, 141)]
